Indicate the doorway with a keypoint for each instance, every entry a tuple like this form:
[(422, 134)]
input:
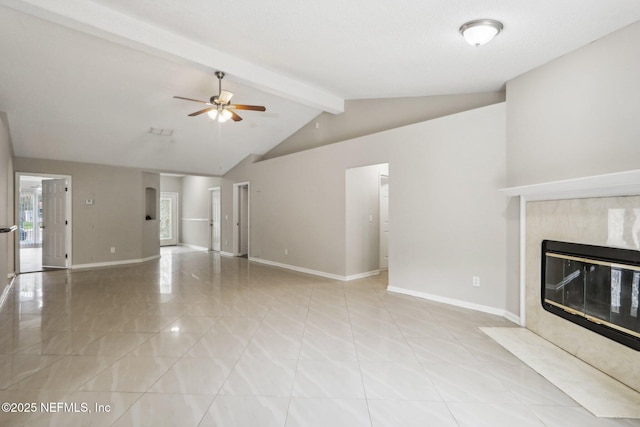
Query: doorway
[(44, 212), (168, 219), (384, 221), (214, 220), (367, 220), (241, 207)]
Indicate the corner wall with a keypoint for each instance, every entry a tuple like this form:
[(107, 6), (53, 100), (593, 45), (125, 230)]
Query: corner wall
[(7, 240)]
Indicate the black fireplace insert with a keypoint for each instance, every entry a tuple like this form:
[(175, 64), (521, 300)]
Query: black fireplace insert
[(596, 287)]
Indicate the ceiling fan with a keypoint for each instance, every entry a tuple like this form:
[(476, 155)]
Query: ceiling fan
[(219, 105)]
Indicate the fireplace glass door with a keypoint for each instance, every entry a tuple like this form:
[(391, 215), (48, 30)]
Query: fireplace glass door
[(596, 287)]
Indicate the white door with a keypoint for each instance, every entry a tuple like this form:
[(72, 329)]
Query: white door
[(384, 222), (54, 223), (214, 222), (168, 219)]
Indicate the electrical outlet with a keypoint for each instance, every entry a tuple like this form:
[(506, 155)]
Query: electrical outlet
[(113, 250), (286, 251), (475, 281)]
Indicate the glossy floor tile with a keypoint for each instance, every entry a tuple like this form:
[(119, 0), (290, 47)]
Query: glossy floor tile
[(195, 339), (594, 390)]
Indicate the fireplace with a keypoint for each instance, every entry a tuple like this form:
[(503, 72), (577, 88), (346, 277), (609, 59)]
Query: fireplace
[(595, 287)]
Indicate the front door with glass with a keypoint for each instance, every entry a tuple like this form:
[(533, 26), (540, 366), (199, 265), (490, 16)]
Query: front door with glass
[(168, 219)]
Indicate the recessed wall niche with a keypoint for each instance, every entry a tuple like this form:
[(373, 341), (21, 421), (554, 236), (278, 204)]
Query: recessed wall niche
[(151, 210)]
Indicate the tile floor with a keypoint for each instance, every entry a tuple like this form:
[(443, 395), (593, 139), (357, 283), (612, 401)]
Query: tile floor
[(615, 400), (195, 339)]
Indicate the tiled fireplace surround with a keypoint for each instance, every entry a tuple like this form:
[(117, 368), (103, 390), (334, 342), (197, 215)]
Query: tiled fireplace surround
[(602, 211)]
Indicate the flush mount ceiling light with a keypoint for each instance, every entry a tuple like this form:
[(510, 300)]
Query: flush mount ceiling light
[(480, 31)]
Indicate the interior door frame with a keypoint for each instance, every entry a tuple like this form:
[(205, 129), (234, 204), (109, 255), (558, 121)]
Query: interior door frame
[(383, 265), (211, 225), (69, 214), (237, 187)]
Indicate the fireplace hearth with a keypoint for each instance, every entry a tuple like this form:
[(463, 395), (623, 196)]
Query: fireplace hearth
[(596, 287)]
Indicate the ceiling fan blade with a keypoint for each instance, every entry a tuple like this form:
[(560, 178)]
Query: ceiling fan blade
[(248, 107), (206, 110), (191, 99), (234, 116), (225, 97)]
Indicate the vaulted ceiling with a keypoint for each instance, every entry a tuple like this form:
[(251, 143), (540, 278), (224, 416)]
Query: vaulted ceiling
[(86, 80)]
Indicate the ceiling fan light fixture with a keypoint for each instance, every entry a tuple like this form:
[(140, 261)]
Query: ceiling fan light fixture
[(218, 104), (224, 116), (480, 31)]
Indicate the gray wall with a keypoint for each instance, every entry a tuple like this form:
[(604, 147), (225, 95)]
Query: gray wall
[(195, 209), (368, 116), (117, 217), (578, 115), (297, 203), (447, 217), (172, 184), (7, 242)]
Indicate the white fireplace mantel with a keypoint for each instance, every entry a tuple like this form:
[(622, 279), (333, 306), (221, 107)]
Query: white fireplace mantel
[(625, 183), (609, 185)]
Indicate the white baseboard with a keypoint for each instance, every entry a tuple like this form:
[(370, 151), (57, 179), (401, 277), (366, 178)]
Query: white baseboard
[(362, 275), (113, 263), (316, 272), (299, 269), (223, 253), (196, 247), (513, 318), (458, 303)]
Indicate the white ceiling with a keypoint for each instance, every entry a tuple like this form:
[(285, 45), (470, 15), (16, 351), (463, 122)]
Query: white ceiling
[(84, 80)]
